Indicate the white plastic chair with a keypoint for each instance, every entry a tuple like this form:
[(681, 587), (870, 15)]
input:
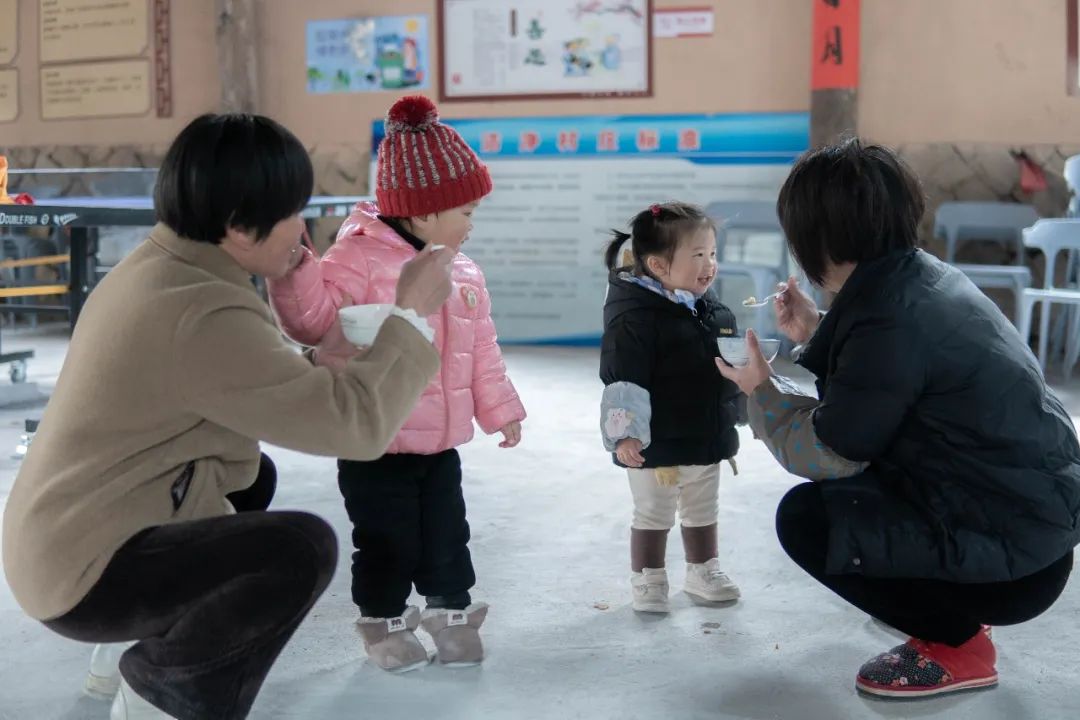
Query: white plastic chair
[(1067, 325), (751, 216), (1072, 180), (1003, 222), (1051, 236), (1004, 277)]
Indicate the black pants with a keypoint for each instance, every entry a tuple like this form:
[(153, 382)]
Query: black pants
[(409, 527), (212, 602), (932, 610)]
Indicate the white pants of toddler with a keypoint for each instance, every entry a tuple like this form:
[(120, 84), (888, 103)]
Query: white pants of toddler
[(694, 496)]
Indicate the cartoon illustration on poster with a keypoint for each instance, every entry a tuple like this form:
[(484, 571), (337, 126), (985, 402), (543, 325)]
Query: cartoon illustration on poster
[(367, 54), (521, 47)]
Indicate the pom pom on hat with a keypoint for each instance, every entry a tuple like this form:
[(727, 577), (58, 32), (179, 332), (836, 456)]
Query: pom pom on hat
[(424, 166), (414, 113)]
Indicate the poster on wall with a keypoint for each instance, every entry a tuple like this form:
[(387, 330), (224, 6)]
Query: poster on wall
[(108, 89), (367, 54), (562, 183), (9, 31), (503, 49), (9, 95), (835, 49), (73, 30)]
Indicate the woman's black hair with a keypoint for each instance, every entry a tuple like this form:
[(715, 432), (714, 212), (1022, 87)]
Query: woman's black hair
[(235, 170), (656, 231), (849, 203)]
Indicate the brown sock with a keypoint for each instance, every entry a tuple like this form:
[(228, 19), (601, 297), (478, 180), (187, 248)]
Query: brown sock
[(699, 543), (647, 548)]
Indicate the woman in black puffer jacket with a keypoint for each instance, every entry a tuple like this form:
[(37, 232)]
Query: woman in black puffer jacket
[(949, 493)]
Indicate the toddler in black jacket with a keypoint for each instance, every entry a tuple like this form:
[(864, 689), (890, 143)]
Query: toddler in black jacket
[(667, 415)]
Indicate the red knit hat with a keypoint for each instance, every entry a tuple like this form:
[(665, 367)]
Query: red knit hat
[(424, 166)]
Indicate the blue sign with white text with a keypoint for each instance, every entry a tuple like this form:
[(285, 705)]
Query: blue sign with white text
[(752, 138)]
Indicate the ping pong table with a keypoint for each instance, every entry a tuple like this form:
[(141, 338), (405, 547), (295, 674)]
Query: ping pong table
[(83, 217)]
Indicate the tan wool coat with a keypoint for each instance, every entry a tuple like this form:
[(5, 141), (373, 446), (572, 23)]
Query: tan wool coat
[(176, 361)]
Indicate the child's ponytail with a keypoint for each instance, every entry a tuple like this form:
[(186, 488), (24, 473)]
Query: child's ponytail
[(611, 255)]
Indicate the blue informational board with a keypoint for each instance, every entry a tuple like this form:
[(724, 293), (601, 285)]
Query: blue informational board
[(562, 183)]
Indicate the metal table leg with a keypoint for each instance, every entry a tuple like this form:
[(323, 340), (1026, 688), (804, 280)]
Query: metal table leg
[(83, 269)]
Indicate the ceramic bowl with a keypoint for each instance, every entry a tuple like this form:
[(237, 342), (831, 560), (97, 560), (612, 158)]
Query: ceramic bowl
[(733, 350), (361, 323)]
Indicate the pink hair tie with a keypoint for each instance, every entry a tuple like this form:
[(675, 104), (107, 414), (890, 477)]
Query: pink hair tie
[(655, 210)]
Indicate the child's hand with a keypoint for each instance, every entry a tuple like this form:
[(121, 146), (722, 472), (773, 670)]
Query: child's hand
[(511, 435), (629, 452)]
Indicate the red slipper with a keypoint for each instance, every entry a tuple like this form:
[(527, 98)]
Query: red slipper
[(920, 669)]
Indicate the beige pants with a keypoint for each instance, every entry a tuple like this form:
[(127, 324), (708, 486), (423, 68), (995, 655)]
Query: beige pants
[(694, 496)]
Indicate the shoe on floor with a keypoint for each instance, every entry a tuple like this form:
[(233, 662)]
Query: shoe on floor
[(456, 634), (103, 679), (650, 588), (920, 669), (392, 643), (127, 705), (706, 581)]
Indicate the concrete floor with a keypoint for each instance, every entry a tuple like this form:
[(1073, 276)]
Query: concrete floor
[(550, 541)]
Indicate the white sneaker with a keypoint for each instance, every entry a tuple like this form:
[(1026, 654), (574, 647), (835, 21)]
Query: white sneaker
[(103, 680), (130, 706), (650, 590), (706, 581)]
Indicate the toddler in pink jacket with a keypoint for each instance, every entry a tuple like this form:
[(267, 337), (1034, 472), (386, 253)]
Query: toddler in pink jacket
[(407, 508)]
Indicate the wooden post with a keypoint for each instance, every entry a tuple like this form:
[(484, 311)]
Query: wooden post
[(834, 101), (238, 59)]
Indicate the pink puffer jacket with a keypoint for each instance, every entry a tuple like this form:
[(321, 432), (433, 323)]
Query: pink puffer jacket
[(362, 267)]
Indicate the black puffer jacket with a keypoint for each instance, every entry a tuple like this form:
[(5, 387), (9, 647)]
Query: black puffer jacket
[(975, 466), (664, 348)]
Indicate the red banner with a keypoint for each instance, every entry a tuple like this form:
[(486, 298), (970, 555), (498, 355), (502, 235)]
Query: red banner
[(835, 60)]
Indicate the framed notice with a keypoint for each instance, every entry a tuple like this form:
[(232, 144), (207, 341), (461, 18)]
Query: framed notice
[(75, 30), (94, 90), (9, 95), (684, 22), (518, 49), (9, 31)]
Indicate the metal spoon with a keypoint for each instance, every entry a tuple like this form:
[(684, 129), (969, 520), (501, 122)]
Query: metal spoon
[(763, 302)]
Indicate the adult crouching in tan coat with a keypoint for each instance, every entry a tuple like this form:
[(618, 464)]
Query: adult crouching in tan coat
[(121, 523)]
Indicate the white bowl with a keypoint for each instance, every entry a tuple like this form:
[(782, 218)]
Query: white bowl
[(733, 350), (361, 323)]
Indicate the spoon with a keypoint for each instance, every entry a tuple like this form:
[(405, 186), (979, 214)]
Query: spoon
[(752, 302)]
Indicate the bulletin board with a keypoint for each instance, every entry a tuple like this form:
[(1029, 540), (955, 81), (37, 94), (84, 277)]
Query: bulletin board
[(78, 30), (9, 48), (9, 31), (562, 182), (9, 94), (529, 49), (367, 54)]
